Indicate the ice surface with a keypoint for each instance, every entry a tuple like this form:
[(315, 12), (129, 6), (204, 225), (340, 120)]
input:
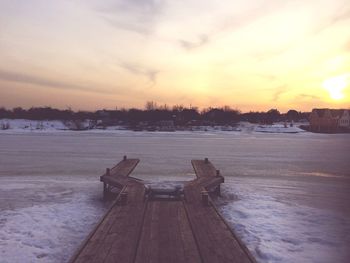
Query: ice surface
[(286, 195)]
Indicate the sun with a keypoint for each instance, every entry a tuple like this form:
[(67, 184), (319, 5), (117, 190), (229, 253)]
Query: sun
[(336, 85)]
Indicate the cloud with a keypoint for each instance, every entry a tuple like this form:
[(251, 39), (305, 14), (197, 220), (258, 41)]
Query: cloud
[(202, 40), (268, 54), (347, 46), (230, 23), (137, 16), (189, 45), (279, 91), (268, 77), (342, 14), (34, 80), (227, 24), (307, 96), (245, 18), (151, 74), (125, 25)]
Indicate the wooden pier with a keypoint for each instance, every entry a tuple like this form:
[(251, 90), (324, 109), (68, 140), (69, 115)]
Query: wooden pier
[(138, 228)]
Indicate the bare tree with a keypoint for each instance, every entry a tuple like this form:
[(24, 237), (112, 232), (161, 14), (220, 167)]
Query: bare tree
[(151, 105)]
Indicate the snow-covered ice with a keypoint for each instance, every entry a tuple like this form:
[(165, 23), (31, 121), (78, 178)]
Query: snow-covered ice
[(286, 195), (23, 125), (281, 222), (44, 220)]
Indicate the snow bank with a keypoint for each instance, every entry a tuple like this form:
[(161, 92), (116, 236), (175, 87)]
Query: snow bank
[(166, 185), (31, 125), (20, 125), (277, 128), (23, 125)]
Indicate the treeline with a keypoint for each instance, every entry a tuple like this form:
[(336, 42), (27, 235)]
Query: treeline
[(153, 113), (45, 113)]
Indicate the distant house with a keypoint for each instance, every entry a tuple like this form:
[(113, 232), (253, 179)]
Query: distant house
[(166, 125), (344, 120), (329, 120)]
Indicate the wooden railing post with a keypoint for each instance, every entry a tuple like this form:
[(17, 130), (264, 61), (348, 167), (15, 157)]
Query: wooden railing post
[(105, 191), (124, 158), (218, 190), (123, 198), (205, 198), (206, 160), (105, 185)]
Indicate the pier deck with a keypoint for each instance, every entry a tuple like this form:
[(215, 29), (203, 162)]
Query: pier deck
[(137, 229)]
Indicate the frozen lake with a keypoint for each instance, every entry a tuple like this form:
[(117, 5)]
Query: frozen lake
[(286, 195)]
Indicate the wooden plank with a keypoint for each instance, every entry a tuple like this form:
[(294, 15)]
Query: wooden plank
[(123, 169), (215, 240), (191, 249), (115, 181), (203, 168), (118, 235), (209, 183), (126, 230), (118, 175), (166, 235), (98, 232)]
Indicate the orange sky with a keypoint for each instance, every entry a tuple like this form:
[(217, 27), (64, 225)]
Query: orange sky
[(250, 55)]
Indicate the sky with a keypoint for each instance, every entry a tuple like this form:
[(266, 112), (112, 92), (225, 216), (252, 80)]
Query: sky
[(249, 55)]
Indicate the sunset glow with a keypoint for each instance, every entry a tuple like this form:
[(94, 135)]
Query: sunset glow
[(335, 86), (250, 55)]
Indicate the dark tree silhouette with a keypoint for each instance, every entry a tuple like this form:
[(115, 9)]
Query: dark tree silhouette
[(153, 114), (292, 115)]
